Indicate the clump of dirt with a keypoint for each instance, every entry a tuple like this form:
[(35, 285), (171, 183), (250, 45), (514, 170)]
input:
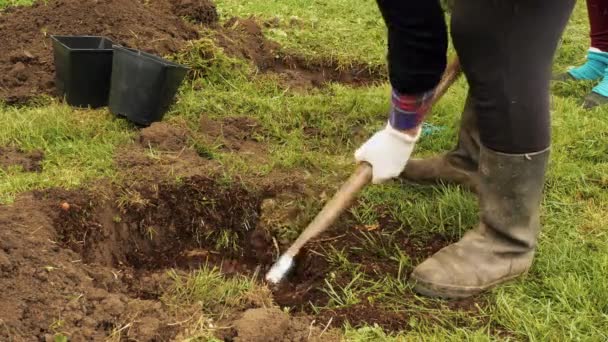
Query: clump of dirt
[(164, 136), (199, 11), (243, 38), (28, 161), (274, 325), (26, 64), (236, 134)]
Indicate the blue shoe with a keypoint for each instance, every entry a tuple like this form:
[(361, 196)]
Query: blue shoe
[(593, 69)]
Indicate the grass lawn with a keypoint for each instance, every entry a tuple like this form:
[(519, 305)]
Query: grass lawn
[(565, 295)]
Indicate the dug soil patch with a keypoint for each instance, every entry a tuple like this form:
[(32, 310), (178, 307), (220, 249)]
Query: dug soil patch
[(15, 157), (274, 325), (164, 136), (91, 264), (239, 134), (26, 62)]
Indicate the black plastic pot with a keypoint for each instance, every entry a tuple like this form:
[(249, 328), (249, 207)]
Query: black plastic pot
[(83, 67), (143, 86)]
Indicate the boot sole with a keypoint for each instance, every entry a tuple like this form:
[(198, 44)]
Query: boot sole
[(455, 292)]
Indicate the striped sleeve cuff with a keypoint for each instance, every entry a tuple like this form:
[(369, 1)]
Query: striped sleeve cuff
[(408, 111)]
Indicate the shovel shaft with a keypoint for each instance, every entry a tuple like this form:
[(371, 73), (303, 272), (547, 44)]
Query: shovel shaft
[(340, 202)]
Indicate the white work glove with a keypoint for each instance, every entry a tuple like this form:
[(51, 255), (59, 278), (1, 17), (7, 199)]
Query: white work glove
[(388, 152)]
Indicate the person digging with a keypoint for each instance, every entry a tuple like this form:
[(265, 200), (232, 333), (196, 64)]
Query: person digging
[(506, 49)]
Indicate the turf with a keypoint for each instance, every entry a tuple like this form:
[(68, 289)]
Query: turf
[(565, 296)]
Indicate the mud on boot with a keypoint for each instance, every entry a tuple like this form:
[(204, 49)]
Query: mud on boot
[(458, 166), (502, 246)]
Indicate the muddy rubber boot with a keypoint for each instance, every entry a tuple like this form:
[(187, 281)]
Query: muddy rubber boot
[(458, 166), (503, 245)]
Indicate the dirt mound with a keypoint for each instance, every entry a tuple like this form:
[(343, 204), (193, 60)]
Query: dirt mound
[(163, 136), (274, 325), (199, 11), (26, 64), (243, 38), (28, 161), (235, 134)]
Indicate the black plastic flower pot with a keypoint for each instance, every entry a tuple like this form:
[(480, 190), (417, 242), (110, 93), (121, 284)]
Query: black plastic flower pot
[(143, 86), (83, 67)]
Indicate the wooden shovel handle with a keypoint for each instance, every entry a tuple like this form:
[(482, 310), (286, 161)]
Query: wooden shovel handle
[(338, 203)]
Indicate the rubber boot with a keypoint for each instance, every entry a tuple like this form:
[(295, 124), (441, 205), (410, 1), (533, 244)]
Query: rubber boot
[(458, 166), (503, 244)]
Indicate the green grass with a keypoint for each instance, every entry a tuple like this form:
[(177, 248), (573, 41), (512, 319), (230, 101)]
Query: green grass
[(319, 28), (7, 3), (78, 145), (565, 297)]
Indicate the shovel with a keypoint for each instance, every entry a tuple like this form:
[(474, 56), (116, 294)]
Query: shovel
[(346, 195)]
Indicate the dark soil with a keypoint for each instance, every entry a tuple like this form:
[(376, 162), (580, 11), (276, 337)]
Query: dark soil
[(164, 136), (243, 38), (198, 11), (28, 161), (26, 64), (152, 226), (274, 325)]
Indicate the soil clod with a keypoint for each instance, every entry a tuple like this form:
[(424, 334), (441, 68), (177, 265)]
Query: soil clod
[(198, 11), (163, 136)]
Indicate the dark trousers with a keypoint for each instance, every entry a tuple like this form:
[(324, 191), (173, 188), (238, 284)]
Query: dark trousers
[(598, 18), (506, 49)]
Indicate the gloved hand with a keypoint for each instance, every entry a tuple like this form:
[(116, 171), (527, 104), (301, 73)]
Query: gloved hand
[(388, 152)]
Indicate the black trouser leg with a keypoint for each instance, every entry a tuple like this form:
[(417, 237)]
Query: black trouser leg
[(506, 49), (417, 43)]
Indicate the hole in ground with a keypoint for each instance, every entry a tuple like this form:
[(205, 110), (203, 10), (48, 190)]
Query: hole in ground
[(165, 225)]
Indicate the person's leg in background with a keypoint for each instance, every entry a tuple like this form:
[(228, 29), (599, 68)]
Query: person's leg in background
[(506, 49), (596, 66)]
